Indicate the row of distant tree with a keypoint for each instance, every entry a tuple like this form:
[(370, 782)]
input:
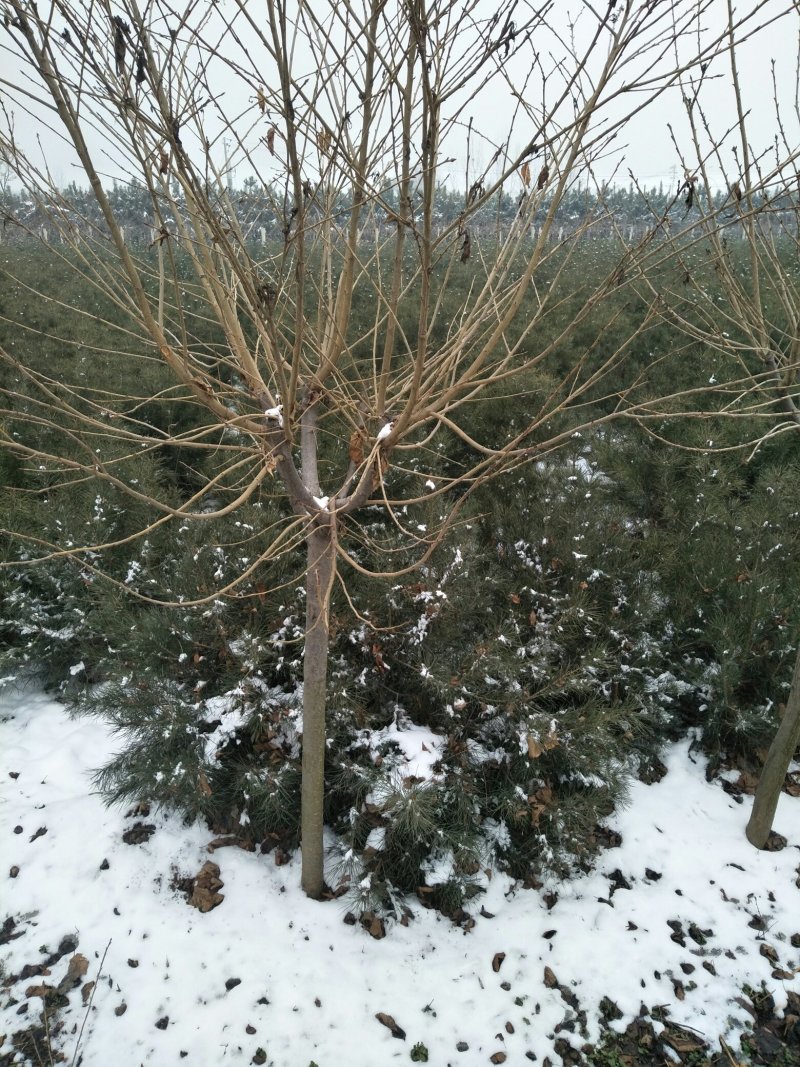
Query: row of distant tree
[(263, 214)]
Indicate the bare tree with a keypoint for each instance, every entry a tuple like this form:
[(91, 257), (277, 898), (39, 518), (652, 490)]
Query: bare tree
[(733, 286), (351, 118)]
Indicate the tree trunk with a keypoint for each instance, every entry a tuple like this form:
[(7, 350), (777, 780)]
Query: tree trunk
[(319, 580), (777, 764)]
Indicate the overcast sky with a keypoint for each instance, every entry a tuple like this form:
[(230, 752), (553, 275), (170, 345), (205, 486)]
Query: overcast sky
[(644, 146)]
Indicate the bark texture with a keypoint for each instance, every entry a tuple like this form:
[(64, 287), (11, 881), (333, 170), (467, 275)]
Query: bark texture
[(777, 763), (319, 579)]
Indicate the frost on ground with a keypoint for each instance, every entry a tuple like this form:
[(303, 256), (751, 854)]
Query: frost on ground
[(682, 914)]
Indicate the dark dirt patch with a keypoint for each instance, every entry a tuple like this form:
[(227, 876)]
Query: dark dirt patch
[(139, 833), (39, 1003), (773, 1041)]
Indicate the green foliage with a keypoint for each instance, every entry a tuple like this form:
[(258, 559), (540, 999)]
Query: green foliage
[(721, 540), (488, 710)]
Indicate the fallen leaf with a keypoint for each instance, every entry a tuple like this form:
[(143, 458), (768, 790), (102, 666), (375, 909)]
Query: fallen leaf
[(681, 1042), (497, 961), (376, 928), (76, 968), (230, 840), (388, 1021), (550, 979), (39, 990), (747, 783), (205, 893), (535, 750), (769, 952)]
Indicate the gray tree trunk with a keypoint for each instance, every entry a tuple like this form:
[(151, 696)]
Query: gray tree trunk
[(777, 763), (319, 579)]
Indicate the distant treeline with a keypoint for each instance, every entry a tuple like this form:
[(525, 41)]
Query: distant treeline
[(264, 214)]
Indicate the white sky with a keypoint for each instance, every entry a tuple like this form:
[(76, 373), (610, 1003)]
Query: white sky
[(644, 146)]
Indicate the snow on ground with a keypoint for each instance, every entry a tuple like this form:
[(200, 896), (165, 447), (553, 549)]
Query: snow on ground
[(311, 985)]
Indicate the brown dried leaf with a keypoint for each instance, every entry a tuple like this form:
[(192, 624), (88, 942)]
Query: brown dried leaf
[(544, 174), (534, 748), (205, 894), (356, 447), (525, 174), (163, 165), (228, 840), (38, 990), (377, 929), (271, 139), (497, 961), (769, 952), (389, 1023), (261, 100), (498, 1057), (550, 980), (747, 782), (323, 141), (682, 1043), (77, 967)]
